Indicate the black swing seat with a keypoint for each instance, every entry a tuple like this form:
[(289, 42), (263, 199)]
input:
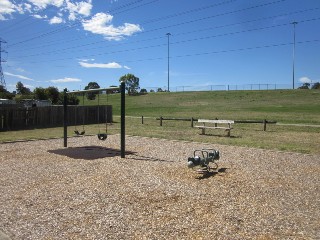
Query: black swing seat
[(79, 133), (102, 136)]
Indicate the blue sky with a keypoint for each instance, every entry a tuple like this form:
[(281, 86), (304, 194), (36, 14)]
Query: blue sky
[(68, 43)]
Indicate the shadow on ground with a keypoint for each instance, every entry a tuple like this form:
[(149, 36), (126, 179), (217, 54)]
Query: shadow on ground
[(134, 156), (211, 174), (88, 152)]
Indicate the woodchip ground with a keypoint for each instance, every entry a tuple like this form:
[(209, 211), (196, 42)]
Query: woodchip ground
[(86, 191)]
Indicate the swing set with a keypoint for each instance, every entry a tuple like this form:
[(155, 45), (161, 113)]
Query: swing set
[(101, 135)]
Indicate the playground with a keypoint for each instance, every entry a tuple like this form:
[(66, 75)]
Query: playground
[(87, 191)]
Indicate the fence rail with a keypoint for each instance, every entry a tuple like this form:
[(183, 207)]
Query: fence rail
[(20, 118), (192, 120), (227, 87)]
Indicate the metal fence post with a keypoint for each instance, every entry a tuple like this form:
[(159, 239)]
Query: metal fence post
[(123, 121), (65, 118)]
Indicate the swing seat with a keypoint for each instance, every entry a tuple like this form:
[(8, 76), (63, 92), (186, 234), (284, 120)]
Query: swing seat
[(79, 133), (102, 136)]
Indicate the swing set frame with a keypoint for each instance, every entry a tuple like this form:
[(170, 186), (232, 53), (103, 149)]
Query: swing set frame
[(65, 115)]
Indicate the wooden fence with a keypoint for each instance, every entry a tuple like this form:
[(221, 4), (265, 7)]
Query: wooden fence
[(19, 118), (192, 120)]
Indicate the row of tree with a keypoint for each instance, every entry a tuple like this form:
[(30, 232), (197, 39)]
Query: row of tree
[(52, 93), (307, 86)]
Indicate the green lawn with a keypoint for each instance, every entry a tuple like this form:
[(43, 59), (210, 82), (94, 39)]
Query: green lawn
[(284, 106)]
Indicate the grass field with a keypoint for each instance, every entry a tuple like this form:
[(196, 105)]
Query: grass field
[(287, 106), (284, 106)]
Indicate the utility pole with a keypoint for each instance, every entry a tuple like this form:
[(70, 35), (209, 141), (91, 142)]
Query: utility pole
[(168, 34), (293, 51), (2, 80)]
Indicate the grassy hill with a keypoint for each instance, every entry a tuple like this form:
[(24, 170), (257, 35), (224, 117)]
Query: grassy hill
[(287, 106)]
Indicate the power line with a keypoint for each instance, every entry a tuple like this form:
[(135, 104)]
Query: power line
[(153, 20), (183, 41), (226, 51), (160, 45), (189, 32), (217, 15), (11, 27), (129, 4), (187, 12), (254, 20), (179, 24), (46, 33), (196, 54)]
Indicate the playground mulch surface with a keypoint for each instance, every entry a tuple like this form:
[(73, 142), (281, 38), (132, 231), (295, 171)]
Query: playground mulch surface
[(87, 191)]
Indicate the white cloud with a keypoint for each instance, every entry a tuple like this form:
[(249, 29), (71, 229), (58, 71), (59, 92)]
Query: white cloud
[(126, 67), (65, 80), (80, 8), (56, 20), (305, 80), (86, 60), (101, 24), (63, 9), (42, 4), (18, 76), (40, 17), (27, 7), (20, 70), (100, 65), (6, 8)]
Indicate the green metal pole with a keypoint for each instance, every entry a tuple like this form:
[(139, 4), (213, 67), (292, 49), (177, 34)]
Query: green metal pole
[(123, 120), (65, 119)]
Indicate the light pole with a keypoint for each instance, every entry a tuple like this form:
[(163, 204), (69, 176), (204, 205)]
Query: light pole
[(294, 49), (168, 34)]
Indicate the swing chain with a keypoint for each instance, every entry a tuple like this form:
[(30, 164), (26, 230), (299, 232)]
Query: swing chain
[(102, 136)]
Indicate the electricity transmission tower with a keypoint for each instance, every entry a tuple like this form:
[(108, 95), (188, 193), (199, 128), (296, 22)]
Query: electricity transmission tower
[(2, 80)]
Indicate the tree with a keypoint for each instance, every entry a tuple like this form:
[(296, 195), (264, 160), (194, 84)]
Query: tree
[(2, 89), (304, 86), (143, 91), (72, 98), (131, 83), (92, 85), (5, 94), (40, 93), (316, 85), (53, 94), (21, 89)]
